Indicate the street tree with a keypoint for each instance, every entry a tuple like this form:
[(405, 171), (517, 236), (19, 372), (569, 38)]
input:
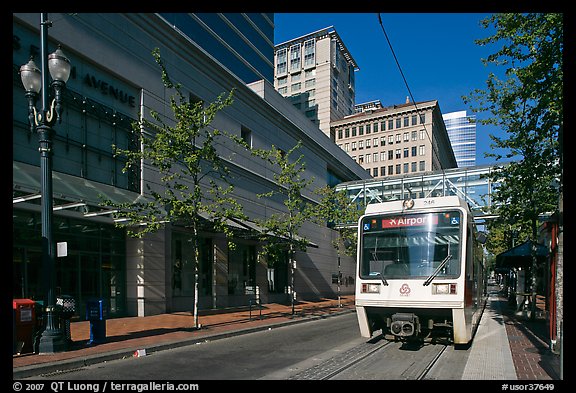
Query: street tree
[(341, 215), (195, 190), (281, 231), (526, 102)]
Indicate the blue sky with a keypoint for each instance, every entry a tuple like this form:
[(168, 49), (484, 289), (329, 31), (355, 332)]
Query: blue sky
[(436, 52)]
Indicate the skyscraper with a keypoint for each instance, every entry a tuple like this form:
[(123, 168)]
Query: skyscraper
[(462, 133), (316, 73)]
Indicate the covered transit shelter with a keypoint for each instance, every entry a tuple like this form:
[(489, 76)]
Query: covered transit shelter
[(516, 267)]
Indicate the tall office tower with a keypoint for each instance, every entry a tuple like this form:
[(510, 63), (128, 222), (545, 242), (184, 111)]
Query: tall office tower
[(396, 140), (241, 42), (316, 72), (462, 133)]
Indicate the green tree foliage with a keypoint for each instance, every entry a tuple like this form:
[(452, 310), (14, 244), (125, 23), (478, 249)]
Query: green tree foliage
[(526, 103), (282, 230), (195, 190), (339, 213)]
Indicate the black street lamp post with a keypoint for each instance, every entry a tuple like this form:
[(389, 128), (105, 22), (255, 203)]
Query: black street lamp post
[(52, 340)]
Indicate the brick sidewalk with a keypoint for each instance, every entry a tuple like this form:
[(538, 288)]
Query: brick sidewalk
[(128, 334)]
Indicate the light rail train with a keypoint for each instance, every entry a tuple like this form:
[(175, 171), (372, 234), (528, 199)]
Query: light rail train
[(420, 270)]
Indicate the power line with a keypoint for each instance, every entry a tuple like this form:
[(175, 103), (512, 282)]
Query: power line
[(408, 88)]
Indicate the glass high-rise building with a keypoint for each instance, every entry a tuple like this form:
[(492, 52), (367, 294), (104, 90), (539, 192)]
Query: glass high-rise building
[(462, 133)]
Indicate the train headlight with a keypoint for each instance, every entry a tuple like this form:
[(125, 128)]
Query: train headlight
[(444, 289), (370, 288)]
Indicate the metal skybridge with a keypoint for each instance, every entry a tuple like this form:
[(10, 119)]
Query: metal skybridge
[(469, 183)]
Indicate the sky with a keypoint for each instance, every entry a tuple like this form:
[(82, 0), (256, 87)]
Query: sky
[(436, 52)]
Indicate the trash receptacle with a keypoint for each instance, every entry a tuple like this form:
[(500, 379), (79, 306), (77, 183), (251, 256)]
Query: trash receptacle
[(96, 313), (24, 323), (67, 306)]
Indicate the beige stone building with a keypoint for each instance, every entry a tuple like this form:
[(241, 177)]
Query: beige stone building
[(316, 73), (396, 140)]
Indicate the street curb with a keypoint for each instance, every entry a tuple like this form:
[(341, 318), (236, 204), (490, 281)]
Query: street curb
[(78, 363)]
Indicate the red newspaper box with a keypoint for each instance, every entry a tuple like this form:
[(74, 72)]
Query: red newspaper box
[(24, 322)]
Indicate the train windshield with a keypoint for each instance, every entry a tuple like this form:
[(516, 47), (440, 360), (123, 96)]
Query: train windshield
[(418, 245)]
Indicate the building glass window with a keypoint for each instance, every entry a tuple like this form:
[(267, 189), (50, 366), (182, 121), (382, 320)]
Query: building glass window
[(309, 53), (95, 265), (406, 122), (246, 136), (390, 124), (183, 269), (414, 120), (281, 62), (295, 59), (242, 270), (398, 122)]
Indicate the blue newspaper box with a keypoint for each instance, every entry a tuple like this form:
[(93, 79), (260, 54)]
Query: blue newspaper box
[(97, 314)]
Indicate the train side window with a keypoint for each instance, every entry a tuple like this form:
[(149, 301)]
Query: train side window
[(469, 255)]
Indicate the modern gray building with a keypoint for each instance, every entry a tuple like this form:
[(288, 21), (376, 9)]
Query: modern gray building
[(462, 133), (115, 80)]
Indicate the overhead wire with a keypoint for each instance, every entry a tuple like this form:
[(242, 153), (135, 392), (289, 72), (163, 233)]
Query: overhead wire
[(408, 88)]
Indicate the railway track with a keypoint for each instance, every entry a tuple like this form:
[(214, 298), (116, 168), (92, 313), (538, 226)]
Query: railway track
[(378, 359)]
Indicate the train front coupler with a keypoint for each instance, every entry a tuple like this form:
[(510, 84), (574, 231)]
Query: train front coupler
[(404, 324)]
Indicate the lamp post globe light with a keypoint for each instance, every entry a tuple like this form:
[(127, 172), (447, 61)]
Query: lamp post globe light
[(36, 82)]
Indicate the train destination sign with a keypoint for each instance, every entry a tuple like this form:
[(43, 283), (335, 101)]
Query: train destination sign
[(409, 221)]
